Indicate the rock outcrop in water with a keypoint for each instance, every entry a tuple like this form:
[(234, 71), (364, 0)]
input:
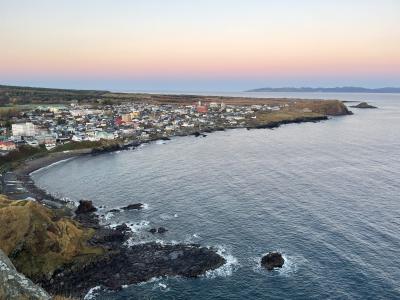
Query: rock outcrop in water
[(133, 206), (363, 105), (85, 206), (272, 260), (14, 285)]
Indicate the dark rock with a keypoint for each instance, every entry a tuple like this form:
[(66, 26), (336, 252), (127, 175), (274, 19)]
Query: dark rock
[(275, 124), (85, 207), (133, 206), (122, 228), (114, 210), (111, 238), (153, 230), (133, 265), (165, 138), (363, 105), (272, 260), (196, 134), (162, 230)]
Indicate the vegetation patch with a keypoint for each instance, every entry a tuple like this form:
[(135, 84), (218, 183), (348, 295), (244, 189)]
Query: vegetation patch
[(39, 241)]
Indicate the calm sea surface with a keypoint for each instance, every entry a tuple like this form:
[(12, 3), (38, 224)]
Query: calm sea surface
[(327, 195)]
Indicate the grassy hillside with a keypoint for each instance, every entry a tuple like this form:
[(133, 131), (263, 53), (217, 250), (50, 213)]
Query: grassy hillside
[(39, 240)]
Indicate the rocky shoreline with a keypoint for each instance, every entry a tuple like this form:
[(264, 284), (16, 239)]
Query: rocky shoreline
[(124, 265)]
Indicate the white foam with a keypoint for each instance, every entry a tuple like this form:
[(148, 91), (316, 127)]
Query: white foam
[(93, 292), (227, 269), (134, 227), (108, 216), (51, 165), (163, 287), (139, 226), (151, 280)]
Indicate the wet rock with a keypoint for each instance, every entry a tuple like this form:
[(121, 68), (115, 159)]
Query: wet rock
[(111, 238), (114, 210), (162, 230), (272, 260), (14, 285), (153, 230), (133, 206), (85, 207), (196, 134), (363, 105), (123, 228), (136, 264)]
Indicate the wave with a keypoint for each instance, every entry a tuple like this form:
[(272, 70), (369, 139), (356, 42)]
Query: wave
[(227, 269), (93, 293), (51, 165)]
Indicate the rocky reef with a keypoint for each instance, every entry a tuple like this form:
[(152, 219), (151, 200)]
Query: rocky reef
[(133, 265)]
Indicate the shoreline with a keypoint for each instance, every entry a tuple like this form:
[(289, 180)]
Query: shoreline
[(79, 279), (24, 171)]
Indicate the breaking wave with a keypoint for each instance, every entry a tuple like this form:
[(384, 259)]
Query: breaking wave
[(227, 269)]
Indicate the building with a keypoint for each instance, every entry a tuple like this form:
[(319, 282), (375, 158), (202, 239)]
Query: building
[(7, 146), (126, 118), (23, 129), (201, 108)]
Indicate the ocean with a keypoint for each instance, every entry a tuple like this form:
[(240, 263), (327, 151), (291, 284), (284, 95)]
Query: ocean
[(327, 195)]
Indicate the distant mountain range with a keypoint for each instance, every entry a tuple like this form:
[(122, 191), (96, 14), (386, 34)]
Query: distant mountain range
[(346, 89)]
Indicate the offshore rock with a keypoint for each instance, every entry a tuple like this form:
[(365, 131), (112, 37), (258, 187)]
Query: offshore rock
[(85, 207), (133, 206), (272, 260), (14, 285), (196, 134), (363, 105), (162, 230)]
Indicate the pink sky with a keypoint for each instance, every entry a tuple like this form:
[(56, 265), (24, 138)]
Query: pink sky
[(214, 40)]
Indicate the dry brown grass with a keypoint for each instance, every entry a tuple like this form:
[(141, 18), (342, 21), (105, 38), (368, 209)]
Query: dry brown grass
[(38, 241)]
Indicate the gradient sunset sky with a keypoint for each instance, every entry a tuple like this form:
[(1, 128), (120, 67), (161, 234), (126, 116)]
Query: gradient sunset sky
[(203, 45)]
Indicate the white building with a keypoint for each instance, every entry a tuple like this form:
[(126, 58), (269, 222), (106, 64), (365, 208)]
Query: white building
[(23, 129)]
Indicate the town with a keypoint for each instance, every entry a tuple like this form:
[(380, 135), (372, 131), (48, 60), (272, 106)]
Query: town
[(52, 125)]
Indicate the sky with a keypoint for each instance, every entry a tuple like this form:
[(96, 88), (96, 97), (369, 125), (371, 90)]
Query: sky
[(203, 45)]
